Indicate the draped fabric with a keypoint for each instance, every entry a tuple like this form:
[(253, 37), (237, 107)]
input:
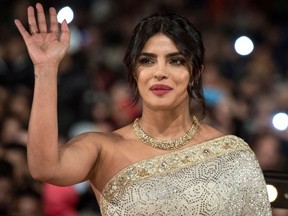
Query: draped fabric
[(216, 177)]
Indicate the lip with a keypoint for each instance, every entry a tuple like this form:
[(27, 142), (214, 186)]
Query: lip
[(160, 89)]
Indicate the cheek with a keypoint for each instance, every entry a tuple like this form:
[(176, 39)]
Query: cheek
[(183, 77), (143, 80), (140, 80), (183, 83), (143, 75)]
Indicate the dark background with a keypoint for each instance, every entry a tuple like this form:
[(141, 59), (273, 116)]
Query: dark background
[(243, 92)]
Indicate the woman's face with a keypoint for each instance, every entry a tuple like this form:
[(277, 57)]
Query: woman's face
[(162, 74)]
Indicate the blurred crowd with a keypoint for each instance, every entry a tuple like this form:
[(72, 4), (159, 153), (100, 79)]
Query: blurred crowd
[(242, 92)]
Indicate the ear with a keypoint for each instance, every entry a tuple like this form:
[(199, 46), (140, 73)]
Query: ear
[(202, 69), (135, 76)]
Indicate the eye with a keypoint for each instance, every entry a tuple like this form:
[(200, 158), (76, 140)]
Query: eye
[(177, 61), (145, 61)]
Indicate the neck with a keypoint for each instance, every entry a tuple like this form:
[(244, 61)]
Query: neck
[(164, 124), (166, 144)]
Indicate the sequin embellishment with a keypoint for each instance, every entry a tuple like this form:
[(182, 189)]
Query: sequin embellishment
[(217, 177)]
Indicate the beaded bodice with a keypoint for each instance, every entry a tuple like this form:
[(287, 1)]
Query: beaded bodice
[(217, 177)]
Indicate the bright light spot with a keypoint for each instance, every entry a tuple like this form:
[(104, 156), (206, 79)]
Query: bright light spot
[(244, 45), (280, 121), (75, 39), (272, 192), (65, 13)]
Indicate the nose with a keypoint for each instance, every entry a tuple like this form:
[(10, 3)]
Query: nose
[(160, 73), (160, 76)]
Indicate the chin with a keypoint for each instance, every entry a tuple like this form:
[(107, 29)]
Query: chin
[(161, 106)]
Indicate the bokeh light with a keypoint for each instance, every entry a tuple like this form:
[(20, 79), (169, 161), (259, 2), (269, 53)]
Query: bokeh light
[(272, 192), (66, 13), (280, 121), (243, 45)]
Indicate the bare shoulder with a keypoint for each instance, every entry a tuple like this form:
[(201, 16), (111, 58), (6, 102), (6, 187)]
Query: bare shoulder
[(206, 132)]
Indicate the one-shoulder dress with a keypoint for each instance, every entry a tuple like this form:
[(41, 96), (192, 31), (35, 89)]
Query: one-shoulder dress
[(216, 177)]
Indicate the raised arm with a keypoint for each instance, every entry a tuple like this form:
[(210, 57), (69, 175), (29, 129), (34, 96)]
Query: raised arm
[(47, 162)]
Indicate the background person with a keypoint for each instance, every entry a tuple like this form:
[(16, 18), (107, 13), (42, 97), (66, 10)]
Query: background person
[(165, 69)]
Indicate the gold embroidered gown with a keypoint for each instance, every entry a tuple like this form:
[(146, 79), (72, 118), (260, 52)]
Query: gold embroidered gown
[(216, 177)]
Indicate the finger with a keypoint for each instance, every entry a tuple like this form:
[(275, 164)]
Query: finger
[(53, 20), (31, 20), (21, 29), (41, 18), (65, 33)]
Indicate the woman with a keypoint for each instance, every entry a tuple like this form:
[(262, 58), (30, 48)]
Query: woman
[(166, 162)]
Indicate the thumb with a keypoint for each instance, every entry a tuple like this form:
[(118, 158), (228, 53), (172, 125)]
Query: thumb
[(65, 33)]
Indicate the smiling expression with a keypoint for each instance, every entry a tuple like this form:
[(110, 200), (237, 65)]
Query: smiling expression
[(162, 73)]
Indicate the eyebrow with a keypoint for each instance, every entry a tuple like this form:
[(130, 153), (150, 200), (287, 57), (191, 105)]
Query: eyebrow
[(154, 55)]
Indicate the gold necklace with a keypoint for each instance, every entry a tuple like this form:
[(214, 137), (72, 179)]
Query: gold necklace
[(166, 144)]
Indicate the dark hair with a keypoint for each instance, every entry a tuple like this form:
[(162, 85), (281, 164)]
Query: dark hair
[(187, 40)]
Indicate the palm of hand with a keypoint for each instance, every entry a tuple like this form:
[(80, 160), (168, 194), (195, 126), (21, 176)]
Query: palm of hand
[(46, 47)]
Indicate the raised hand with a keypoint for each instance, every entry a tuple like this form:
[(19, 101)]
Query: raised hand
[(45, 46)]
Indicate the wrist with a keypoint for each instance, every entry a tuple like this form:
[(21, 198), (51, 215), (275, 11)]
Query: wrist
[(45, 70), (46, 66)]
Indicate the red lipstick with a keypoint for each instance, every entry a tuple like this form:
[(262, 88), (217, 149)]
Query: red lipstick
[(160, 89)]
